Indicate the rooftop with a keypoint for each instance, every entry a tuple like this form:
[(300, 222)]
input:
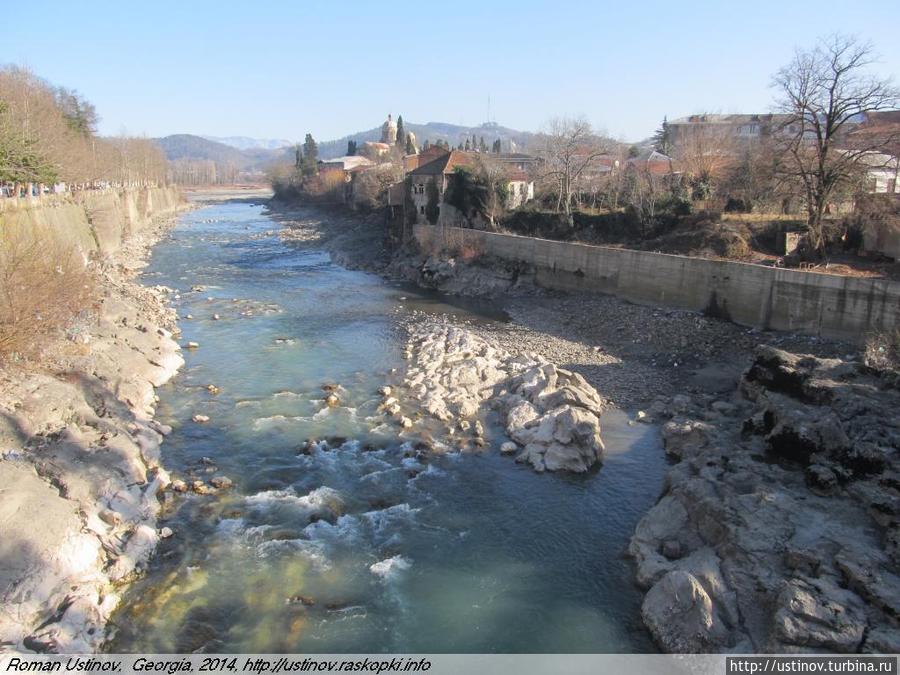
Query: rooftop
[(446, 163), (348, 162)]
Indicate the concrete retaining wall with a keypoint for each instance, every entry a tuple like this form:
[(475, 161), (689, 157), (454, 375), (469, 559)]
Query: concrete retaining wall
[(751, 295), (90, 222)]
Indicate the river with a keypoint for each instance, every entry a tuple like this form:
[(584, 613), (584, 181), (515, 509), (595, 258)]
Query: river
[(357, 547)]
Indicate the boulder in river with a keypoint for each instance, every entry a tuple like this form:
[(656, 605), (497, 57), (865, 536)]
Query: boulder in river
[(551, 412)]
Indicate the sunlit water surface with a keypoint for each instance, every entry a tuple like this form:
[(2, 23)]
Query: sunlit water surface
[(358, 547)]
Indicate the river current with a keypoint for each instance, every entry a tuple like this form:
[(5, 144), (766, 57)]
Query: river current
[(358, 547)]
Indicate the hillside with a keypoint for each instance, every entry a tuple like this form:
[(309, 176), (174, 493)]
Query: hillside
[(187, 146), (253, 157)]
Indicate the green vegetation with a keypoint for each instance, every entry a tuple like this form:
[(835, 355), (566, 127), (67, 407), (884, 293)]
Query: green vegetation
[(662, 138), (433, 205), (401, 133), (467, 192), (309, 163), (20, 159)]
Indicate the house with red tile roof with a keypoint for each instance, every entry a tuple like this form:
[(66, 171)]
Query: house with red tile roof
[(440, 170)]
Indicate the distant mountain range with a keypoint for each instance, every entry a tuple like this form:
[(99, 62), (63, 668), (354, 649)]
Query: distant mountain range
[(251, 154), (247, 143), (190, 147)]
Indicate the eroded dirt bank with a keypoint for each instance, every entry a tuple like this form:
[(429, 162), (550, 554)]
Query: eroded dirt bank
[(777, 527), (80, 460)]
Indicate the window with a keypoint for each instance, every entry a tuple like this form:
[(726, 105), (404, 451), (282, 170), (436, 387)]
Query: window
[(422, 210)]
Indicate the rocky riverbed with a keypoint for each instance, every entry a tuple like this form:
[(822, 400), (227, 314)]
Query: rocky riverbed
[(777, 528), (80, 469), (777, 531)]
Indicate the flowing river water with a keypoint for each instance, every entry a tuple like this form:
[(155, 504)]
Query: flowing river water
[(357, 547)]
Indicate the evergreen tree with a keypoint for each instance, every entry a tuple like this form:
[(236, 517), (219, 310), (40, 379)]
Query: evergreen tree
[(298, 157), (401, 133), (351, 148), (432, 206), (79, 113), (481, 145), (467, 192), (497, 146), (662, 138), (310, 156), (460, 147), (468, 147), (410, 148), (426, 145)]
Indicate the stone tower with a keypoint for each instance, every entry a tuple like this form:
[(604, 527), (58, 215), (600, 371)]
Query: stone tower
[(389, 131), (412, 141)]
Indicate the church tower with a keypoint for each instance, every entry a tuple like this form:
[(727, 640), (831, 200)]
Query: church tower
[(389, 131)]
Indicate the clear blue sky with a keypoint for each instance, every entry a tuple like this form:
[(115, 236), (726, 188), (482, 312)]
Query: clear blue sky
[(279, 69)]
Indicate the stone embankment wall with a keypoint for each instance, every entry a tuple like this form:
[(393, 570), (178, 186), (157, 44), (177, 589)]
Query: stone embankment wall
[(92, 222), (751, 295)]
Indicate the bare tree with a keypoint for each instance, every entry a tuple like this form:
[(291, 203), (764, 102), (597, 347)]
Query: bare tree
[(823, 93), (496, 179), (569, 148), (371, 185), (643, 192), (706, 151)]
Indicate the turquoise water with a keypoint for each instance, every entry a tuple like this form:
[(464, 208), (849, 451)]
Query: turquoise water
[(359, 546)]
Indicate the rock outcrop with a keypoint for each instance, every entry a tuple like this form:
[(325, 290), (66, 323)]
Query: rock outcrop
[(465, 383), (777, 531)]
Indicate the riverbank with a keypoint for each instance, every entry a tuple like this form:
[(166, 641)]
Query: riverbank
[(80, 471), (355, 240), (633, 354), (777, 527)]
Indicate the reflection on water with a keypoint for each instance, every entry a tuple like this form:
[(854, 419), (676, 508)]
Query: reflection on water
[(356, 542)]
